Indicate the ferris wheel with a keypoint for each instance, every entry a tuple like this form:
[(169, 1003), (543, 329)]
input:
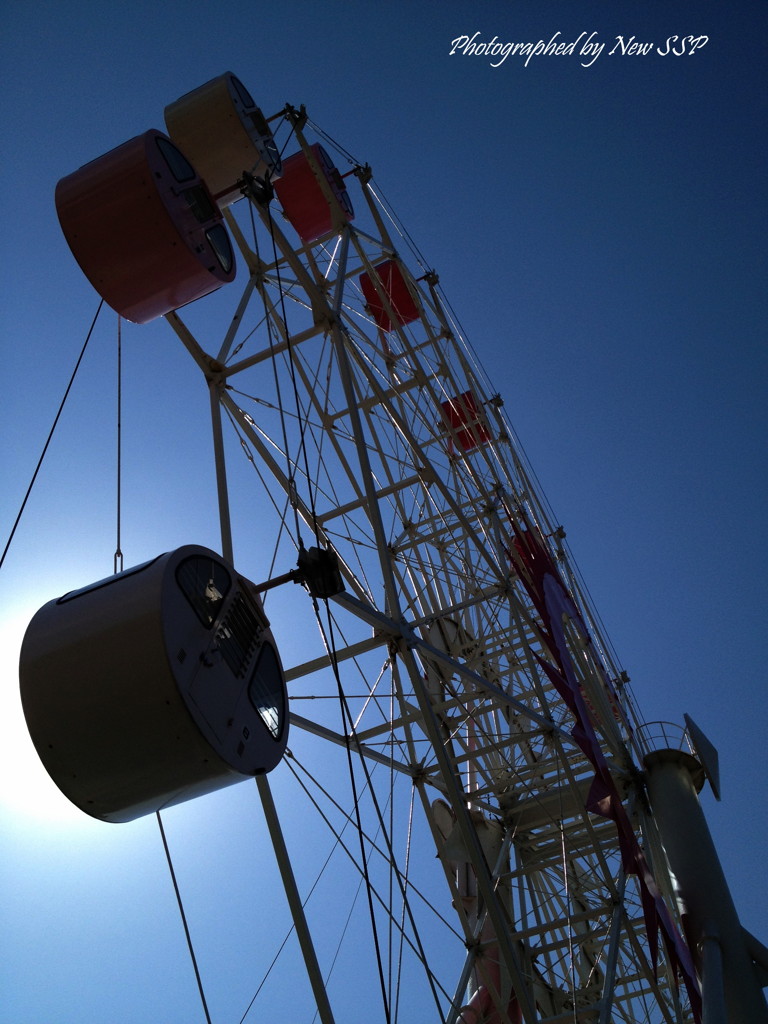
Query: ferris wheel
[(461, 747)]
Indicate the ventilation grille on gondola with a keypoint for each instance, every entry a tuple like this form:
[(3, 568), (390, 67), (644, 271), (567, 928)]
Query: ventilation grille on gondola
[(239, 633)]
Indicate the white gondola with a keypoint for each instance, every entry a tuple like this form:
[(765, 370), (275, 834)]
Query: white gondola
[(154, 686)]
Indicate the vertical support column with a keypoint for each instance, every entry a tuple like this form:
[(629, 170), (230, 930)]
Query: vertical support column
[(221, 472), (270, 811), (454, 789), (712, 923), (606, 1001), (712, 981), (294, 901)]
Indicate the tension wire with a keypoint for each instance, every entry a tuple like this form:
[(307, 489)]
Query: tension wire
[(50, 435), (183, 917)]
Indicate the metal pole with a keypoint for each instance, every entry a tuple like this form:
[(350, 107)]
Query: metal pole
[(704, 890), (265, 792), (606, 1003), (712, 989), (221, 472), (294, 901), (454, 788)]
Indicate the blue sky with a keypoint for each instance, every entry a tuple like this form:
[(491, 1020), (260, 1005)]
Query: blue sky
[(601, 234)]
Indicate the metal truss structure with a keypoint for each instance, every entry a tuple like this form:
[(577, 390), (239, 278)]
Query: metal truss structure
[(470, 746)]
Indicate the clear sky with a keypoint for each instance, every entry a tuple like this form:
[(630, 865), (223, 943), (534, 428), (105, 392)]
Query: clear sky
[(600, 232)]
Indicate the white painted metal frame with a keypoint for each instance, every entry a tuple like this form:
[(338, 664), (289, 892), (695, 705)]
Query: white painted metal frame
[(437, 641)]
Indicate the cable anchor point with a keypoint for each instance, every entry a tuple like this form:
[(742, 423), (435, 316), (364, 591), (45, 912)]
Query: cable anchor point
[(257, 188), (317, 570)]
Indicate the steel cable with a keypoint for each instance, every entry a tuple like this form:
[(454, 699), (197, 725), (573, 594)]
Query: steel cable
[(183, 918), (50, 435)]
